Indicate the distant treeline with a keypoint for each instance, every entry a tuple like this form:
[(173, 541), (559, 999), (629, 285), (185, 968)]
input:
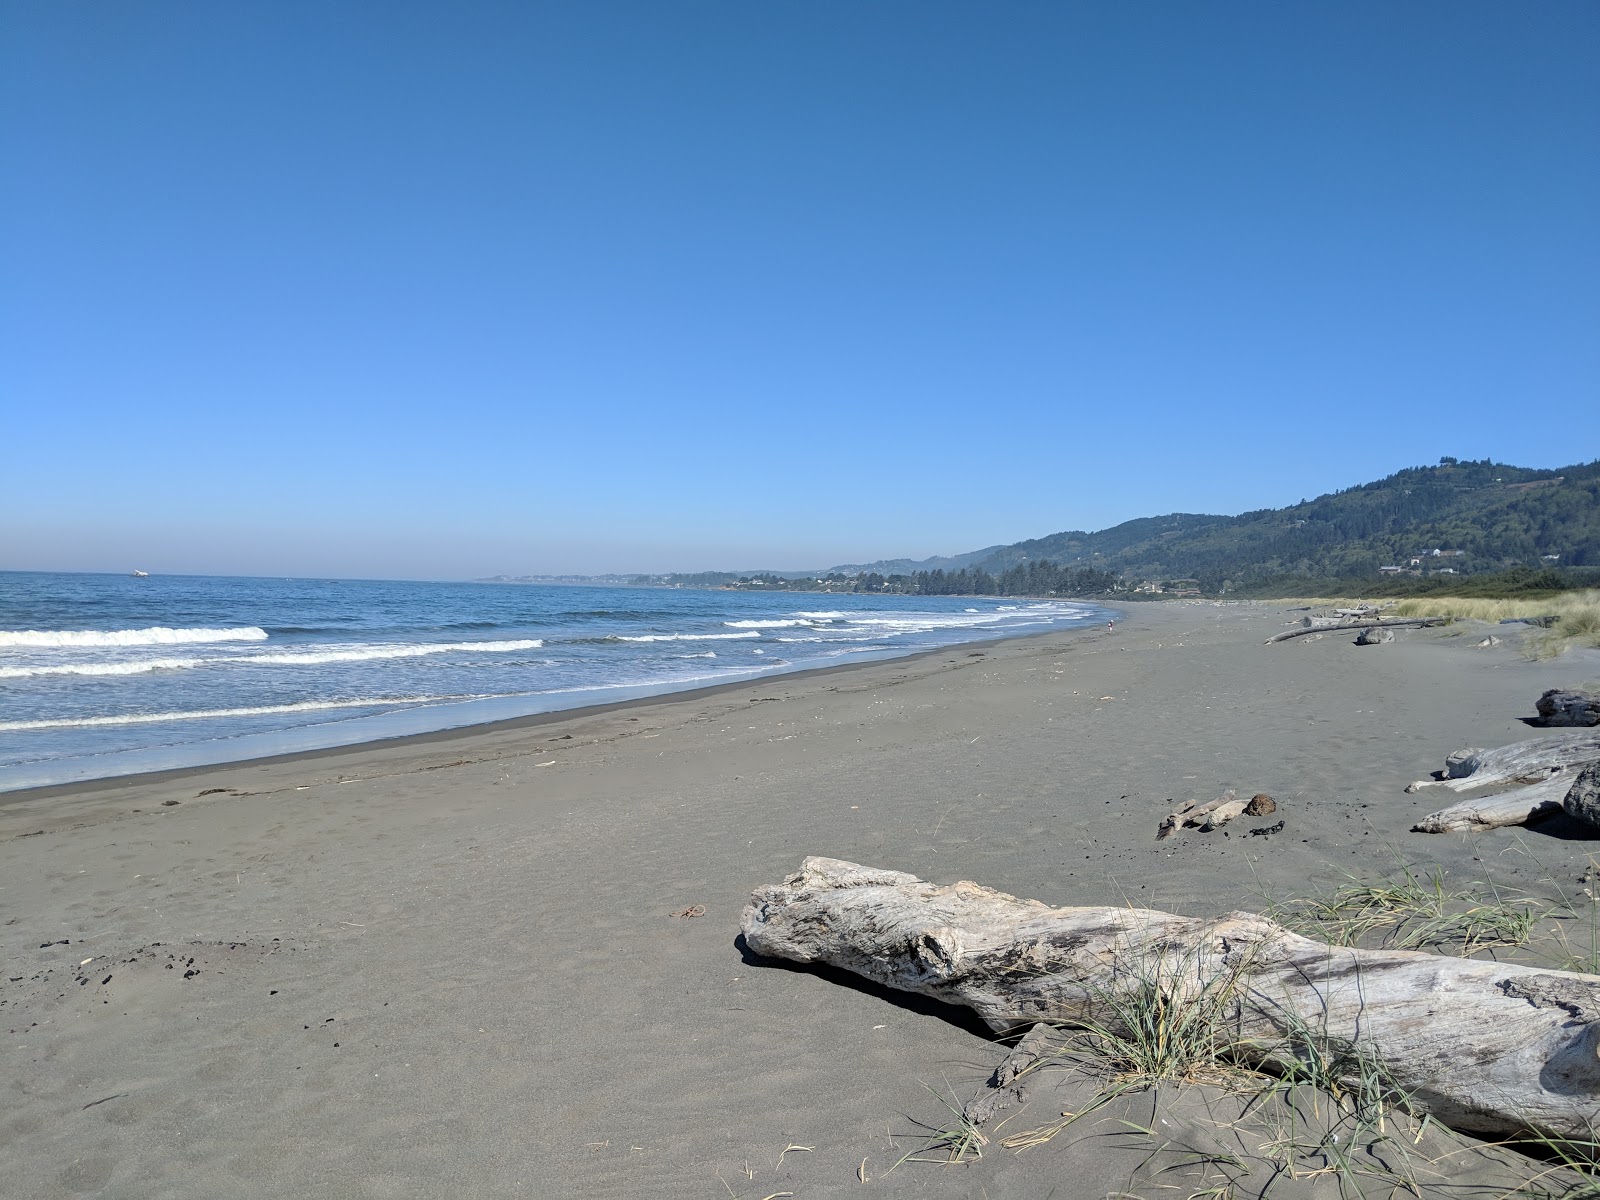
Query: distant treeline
[(1526, 582), (1025, 579), (1030, 579)]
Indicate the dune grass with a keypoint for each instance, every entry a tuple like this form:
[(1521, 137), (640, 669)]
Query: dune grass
[(1314, 1105), (1577, 615)]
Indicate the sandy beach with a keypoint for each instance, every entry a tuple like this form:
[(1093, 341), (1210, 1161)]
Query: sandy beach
[(450, 965)]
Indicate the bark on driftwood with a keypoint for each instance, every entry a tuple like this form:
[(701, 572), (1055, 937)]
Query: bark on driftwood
[(1486, 1047), (1583, 797), (1531, 802), (1520, 762), (1338, 625)]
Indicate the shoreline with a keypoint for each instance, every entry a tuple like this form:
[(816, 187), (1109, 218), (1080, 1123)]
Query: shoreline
[(503, 960), (667, 692)]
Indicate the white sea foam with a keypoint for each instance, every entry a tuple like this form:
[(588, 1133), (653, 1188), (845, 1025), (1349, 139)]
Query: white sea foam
[(687, 637), (702, 654), (767, 624), (822, 616), (136, 667), (259, 710), (370, 653), (287, 658), (46, 639)]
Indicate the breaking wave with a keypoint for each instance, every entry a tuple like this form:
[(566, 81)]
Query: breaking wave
[(370, 653), (46, 639), (683, 637), (296, 658)]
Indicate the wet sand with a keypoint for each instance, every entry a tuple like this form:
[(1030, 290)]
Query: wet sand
[(450, 965)]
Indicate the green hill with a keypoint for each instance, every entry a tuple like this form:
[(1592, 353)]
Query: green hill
[(1496, 516)]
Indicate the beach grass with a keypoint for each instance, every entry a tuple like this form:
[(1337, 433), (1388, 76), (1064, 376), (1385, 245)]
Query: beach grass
[(1315, 1105), (1576, 623)]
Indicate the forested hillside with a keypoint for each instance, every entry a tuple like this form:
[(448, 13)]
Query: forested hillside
[(1497, 516)]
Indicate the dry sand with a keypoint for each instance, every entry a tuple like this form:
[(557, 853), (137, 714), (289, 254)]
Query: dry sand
[(449, 966)]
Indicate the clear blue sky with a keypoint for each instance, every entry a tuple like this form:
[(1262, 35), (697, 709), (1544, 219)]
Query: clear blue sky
[(450, 289)]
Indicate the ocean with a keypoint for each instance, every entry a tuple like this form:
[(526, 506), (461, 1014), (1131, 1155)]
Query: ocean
[(104, 675)]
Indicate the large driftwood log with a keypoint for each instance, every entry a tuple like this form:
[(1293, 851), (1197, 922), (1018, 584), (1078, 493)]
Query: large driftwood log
[(1486, 1047), (1335, 626), (1520, 762), (1563, 706), (1530, 802)]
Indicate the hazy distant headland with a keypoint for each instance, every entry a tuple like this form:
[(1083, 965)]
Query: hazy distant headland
[(1422, 529)]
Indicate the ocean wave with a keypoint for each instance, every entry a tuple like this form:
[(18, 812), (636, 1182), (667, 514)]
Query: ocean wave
[(681, 637), (257, 710), (47, 639), (137, 667), (300, 658), (767, 624), (287, 658), (822, 616), (702, 654)]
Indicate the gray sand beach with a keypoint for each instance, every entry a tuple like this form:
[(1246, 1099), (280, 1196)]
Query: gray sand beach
[(452, 965)]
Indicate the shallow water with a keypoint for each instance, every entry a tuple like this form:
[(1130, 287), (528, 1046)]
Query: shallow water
[(105, 674)]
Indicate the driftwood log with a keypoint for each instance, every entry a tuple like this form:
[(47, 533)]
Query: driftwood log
[(1519, 806), (1520, 762), (1335, 626), (1561, 706), (1583, 797), (1486, 1047)]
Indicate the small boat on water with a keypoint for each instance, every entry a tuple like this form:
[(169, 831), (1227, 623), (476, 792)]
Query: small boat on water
[(141, 574)]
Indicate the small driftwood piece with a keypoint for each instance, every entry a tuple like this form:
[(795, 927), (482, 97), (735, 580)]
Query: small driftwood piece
[(1334, 628), (1531, 802), (1560, 706), (1520, 762), (1486, 1047), (1215, 813), (1193, 814)]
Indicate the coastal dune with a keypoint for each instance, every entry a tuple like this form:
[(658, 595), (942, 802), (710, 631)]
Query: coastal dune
[(505, 961)]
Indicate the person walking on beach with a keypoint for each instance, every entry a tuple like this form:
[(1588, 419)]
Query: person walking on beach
[(1111, 626)]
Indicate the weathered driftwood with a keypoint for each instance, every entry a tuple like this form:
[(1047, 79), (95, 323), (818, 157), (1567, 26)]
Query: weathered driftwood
[(1563, 706), (1192, 813), (1338, 625), (1487, 1047), (1214, 813), (1531, 802), (1520, 762), (1373, 636), (1583, 797)]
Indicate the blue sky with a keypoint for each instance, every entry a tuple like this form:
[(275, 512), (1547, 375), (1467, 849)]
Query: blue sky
[(447, 290)]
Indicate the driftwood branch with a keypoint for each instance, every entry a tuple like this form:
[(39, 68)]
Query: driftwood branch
[(1520, 762), (1337, 626), (1531, 802), (1487, 1047)]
